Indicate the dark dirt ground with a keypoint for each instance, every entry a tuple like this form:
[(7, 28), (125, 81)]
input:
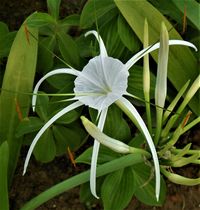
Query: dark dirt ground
[(42, 176)]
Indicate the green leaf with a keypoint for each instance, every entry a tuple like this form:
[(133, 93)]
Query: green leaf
[(45, 149), (85, 193), (145, 185), (115, 125), (53, 8), (68, 49), (135, 82), (113, 43), (71, 20), (39, 19), (28, 125), (71, 137), (69, 117), (137, 141), (18, 77), (42, 106), (182, 66), (105, 155), (95, 9), (4, 156), (6, 43), (117, 189), (45, 53), (192, 10), (3, 29), (127, 35)]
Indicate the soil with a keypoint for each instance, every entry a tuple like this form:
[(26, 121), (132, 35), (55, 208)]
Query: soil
[(40, 177)]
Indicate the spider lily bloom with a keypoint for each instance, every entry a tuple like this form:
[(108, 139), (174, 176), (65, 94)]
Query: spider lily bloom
[(102, 82)]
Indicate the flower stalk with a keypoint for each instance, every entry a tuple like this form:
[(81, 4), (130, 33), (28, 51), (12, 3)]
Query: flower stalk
[(191, 92), (161, 80), (178, 179), (146, 78)]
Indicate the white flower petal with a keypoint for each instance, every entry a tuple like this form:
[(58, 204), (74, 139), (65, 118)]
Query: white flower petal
[(95, 153), (51, 73), (151, 48), (103, 51), (45, 127), (109, 81), (130, 110)]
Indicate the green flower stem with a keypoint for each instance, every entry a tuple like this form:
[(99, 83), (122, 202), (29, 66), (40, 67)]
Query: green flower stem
[(196, 162), (172, 105), (172, 141), (161, 80), (189, 152), (177, 133), (177, 179), (146, 78), (191, 92), (81, 178), (185, 161), (190, 125), (159, 117)]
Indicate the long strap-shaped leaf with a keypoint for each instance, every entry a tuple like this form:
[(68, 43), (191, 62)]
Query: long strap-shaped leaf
[(18, 77), (182, 64), (4, 155)]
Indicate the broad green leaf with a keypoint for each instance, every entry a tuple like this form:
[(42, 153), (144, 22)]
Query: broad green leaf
[(71, 137), (42, 106), (28, 125), (116, 126), (192, 8), (68, 49), (69, 117), (145, 185), (85, 193), (4, 156), (113, 43), (95, 9), (45, 149), (3, 29), (135, 82), (137, 141), (182, 66), (85, 157), (127, 35), (6, 43), (107, 17), (71, 20), (117, 189), (18, 77), (45, 54), (61, 81), (105, 155), (168, 8), (53, 8), (39, 19)]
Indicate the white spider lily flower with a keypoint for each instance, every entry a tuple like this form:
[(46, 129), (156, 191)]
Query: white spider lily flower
[(102, 82)]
